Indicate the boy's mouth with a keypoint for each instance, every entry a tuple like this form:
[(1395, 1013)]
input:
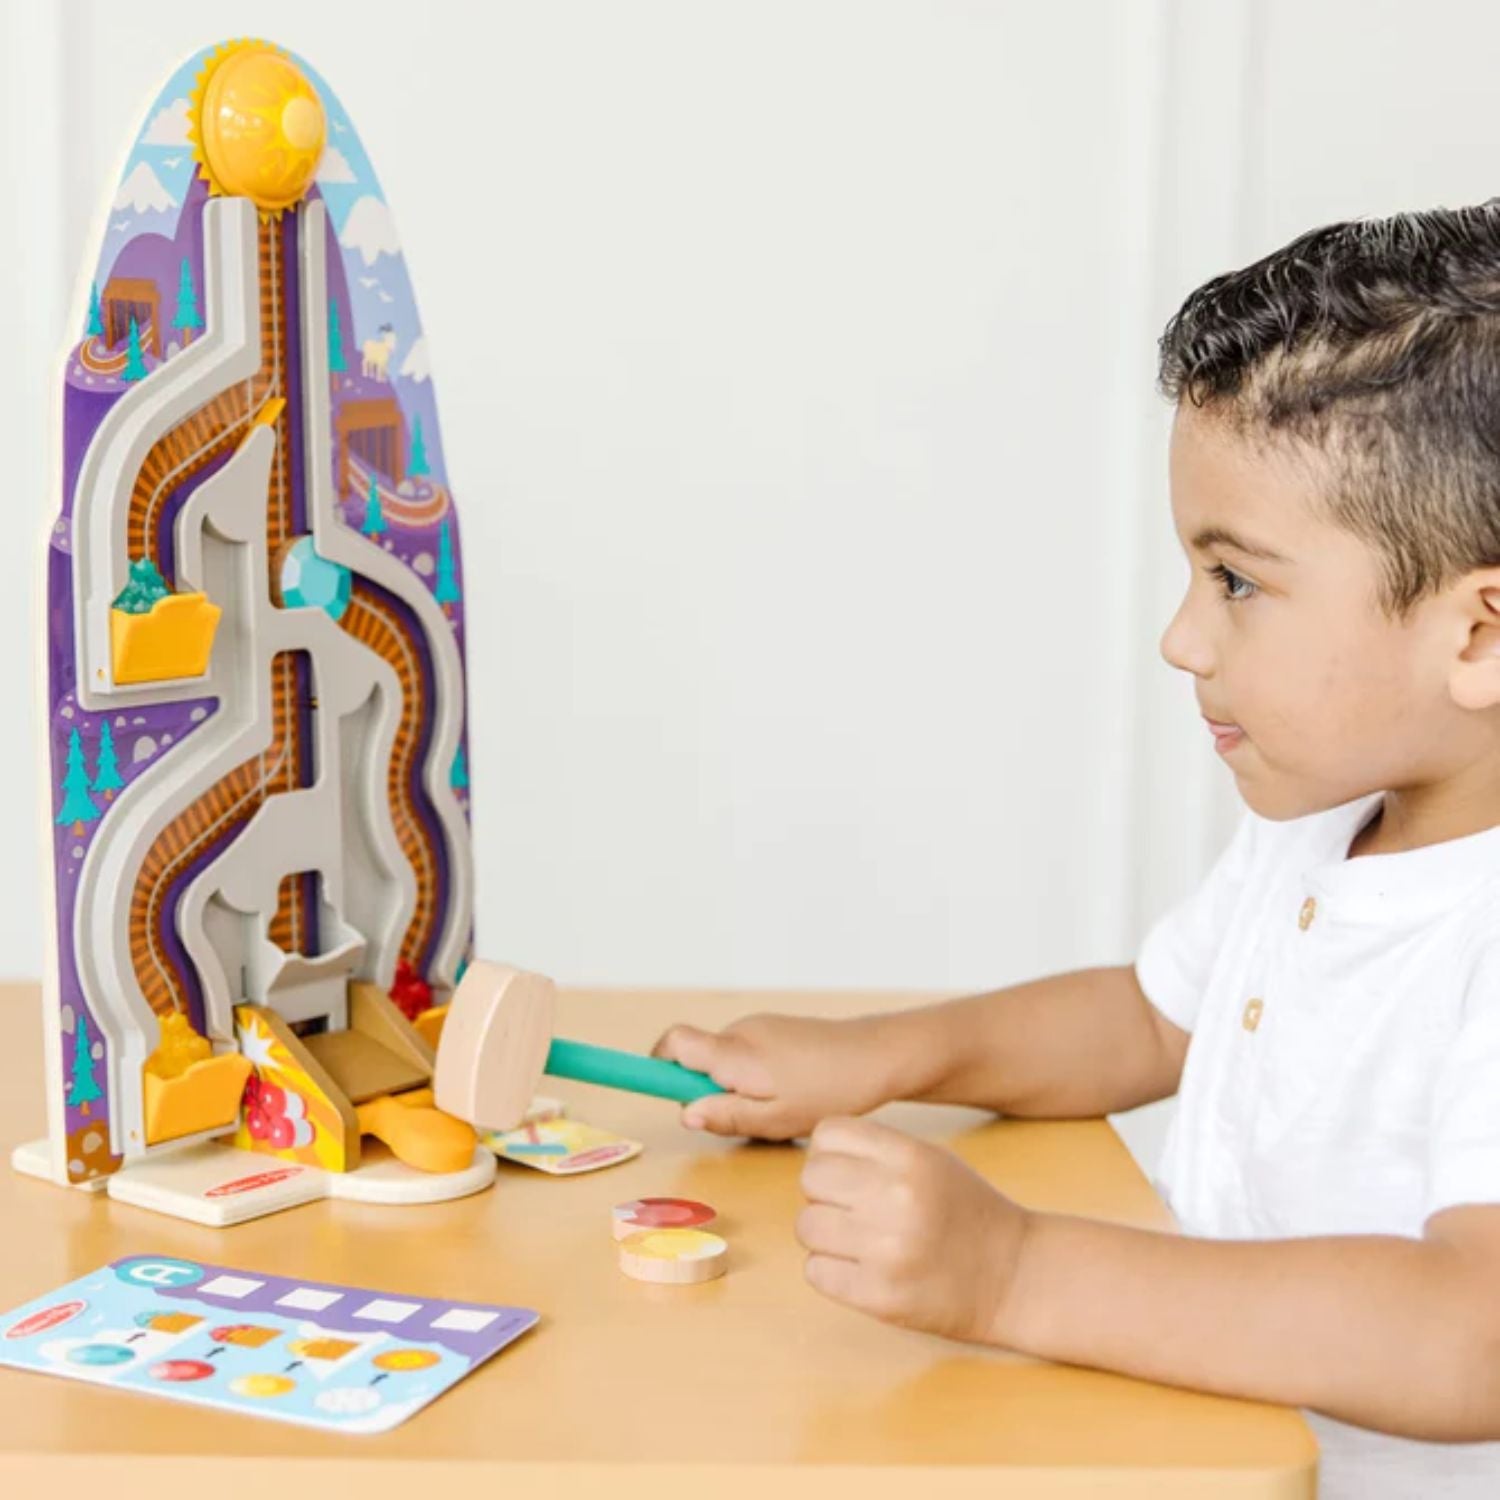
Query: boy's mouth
[(1226, 736)]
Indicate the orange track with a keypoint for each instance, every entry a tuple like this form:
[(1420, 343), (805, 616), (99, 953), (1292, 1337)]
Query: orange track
[(219, 424), (228, 804), (375, 626)]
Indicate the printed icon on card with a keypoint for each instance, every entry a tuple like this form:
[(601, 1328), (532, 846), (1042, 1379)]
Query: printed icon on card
[(561, 1147)]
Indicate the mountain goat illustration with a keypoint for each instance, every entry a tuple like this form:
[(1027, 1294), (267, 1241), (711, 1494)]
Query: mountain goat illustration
[(377, 353)]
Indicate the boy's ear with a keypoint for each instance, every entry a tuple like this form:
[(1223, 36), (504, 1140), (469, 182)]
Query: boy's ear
[(1475, 678)]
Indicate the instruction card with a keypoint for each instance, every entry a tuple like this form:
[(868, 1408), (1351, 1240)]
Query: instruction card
[(313, 1353)]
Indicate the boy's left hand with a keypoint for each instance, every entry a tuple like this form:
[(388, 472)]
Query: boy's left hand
[(906, 1231)]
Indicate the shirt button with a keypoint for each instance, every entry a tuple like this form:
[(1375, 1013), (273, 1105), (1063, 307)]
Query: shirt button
[(1251, 1019), (1306, 915)]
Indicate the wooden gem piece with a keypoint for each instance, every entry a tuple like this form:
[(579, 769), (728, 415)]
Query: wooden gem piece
[(494, 1047), (676, 1257), (660, 1213), (1306, 915), (1251, 1018)]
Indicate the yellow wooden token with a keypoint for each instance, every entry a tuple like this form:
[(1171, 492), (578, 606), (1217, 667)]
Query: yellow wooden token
[(673, 1256)]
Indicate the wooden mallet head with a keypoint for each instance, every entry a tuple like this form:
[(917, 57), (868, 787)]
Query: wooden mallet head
[(497, 1044), (494, 1046)]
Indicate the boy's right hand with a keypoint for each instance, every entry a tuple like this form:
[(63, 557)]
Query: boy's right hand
[(781, 1074)]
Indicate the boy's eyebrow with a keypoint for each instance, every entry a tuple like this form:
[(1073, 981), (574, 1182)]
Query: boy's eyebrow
[(1222, 536)]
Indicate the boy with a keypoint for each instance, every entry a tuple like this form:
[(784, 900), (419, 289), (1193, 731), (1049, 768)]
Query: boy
[(1327, 1004)]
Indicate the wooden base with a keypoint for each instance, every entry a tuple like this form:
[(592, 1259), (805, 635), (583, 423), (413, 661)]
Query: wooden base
[(222, 1185)]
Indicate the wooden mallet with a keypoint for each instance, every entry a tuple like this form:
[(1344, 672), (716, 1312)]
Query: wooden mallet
[(497, 1043)]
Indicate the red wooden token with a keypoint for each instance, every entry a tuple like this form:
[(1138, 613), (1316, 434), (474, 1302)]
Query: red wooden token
[(660, 1213)]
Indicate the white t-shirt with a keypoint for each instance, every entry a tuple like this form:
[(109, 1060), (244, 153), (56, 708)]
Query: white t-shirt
[(1344, 1071)]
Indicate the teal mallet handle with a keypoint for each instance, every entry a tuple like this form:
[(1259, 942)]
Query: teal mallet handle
[(629, 1071)]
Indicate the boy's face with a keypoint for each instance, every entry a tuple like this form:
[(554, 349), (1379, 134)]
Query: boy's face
[(1315, 696)]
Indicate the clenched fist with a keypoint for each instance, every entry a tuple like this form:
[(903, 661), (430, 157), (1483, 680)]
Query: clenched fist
[(907, 1232)]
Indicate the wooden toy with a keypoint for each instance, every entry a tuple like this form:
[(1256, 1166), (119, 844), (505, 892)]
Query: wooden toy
[(659, 1213), (497, 1042), (675, 1257), (256, 819)]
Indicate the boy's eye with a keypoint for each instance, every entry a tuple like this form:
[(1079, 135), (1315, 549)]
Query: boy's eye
[(1234, 588)]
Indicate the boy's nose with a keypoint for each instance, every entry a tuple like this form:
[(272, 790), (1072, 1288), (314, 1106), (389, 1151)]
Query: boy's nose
[(1182, 646)]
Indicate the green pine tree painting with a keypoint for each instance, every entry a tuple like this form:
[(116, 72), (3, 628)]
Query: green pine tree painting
[(459, 776), (374, 516), (85, 1087), (108, 779), (78, 808), (446, 592), (187, 319), (135, 361), (96, 318), (418, 468), (336, 361)]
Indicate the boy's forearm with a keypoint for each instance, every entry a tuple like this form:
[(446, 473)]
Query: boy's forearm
[(1070, 1046), (1376, 1330)]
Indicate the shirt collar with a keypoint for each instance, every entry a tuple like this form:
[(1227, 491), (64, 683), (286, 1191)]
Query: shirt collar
[(1414, 882)]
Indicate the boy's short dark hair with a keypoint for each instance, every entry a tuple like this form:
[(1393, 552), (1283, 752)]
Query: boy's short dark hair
[(1378, 342)]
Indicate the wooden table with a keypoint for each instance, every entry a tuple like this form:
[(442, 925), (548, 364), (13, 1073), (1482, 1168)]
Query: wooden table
[(751, 1382)]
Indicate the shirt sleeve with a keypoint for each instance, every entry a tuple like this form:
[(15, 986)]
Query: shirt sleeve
[(1463, 1151), (1178, 954)]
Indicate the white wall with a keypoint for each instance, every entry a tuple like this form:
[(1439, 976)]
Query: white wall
[(795, 364)]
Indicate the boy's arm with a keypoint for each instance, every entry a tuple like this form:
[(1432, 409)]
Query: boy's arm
[(1070, 1046), (1396, 1334)]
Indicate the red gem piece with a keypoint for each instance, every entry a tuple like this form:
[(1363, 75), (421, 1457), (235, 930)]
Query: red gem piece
[(410, 991)]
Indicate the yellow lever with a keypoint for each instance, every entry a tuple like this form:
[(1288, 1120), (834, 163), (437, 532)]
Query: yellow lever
[(417, 1133)]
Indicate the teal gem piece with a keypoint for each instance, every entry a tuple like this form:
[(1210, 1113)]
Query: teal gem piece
[(312, 582)]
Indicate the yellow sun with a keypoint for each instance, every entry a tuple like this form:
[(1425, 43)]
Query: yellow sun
[(257, 125)]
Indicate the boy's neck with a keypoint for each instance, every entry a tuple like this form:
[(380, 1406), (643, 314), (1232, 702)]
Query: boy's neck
[(1413, 817)]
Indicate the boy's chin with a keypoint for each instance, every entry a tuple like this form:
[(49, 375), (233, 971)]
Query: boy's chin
[(1275, 809), (1279, 799)]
